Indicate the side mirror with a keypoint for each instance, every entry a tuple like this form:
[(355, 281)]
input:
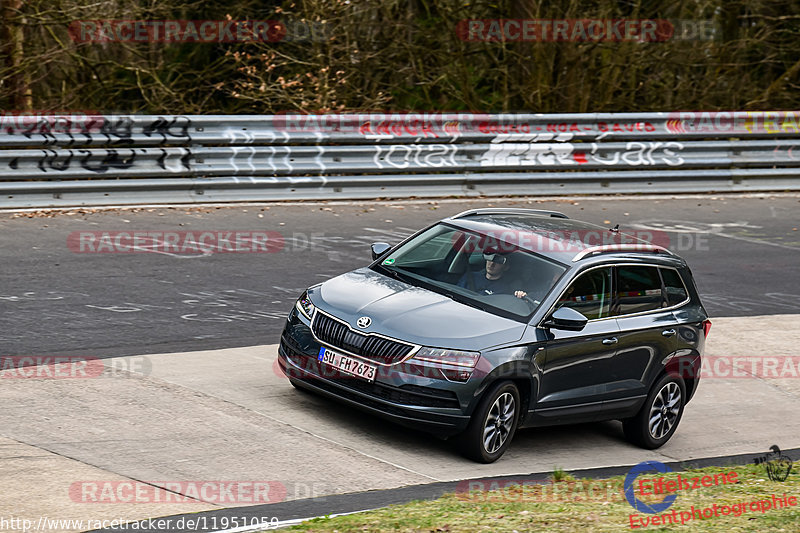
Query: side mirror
[(567, 319), (379, 248)]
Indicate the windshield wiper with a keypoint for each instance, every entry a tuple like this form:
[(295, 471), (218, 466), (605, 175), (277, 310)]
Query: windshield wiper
[(396, 274), (463, 301)]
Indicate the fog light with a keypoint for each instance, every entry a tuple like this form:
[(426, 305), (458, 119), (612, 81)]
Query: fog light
[(457, 375)]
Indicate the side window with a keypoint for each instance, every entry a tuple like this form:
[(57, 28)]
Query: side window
[(639, 289), (589, 294), (676, 290)]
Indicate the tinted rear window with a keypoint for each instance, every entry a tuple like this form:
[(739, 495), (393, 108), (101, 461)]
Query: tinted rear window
[(674, 287), (639, 289)]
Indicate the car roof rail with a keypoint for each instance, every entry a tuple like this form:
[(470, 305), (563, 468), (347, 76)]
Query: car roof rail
[(616, 248), (509, 211)]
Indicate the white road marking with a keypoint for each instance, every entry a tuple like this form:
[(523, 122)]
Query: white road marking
[(283, 523)]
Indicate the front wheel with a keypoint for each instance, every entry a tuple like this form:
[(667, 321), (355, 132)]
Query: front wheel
[(658, 418), (493, 424)]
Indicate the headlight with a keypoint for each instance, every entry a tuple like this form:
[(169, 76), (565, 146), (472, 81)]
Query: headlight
[(448, 357), (305, 306)]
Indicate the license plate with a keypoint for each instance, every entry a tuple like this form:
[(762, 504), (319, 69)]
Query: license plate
[(347, 364)]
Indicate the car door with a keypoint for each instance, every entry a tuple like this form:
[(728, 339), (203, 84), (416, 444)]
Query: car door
[(576, 367), (647, 334)]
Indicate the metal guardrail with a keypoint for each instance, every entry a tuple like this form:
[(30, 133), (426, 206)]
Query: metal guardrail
[(70, 160)]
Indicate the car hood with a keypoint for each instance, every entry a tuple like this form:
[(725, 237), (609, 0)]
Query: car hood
[(411, 313)]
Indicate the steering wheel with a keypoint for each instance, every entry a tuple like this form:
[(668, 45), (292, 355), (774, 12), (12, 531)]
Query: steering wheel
[(512, 303), (534, 303)]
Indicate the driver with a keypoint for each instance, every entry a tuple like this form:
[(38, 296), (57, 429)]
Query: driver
[(492, 279)]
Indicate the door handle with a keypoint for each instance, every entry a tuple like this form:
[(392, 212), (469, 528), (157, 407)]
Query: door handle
[(668, 332), (611, 340)]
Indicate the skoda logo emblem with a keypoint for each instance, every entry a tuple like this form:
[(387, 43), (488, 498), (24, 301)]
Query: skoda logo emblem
[(364, 322)]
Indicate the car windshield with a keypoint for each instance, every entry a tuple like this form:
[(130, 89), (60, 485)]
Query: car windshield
[(474, 269)]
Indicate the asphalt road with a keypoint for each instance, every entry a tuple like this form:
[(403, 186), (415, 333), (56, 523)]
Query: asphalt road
[(744, 253)]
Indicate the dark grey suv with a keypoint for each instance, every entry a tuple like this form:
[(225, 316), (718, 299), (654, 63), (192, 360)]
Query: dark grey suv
[(496, 319)]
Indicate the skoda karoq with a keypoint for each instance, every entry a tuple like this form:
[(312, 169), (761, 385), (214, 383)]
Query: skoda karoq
[(499, 319)]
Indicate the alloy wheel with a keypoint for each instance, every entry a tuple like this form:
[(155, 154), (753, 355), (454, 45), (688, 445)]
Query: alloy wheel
[(499, 422), (665, 410)]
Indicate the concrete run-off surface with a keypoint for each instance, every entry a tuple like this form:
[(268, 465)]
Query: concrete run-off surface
[(226, 415)]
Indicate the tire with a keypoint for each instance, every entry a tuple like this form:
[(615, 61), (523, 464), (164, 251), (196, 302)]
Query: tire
[(664, 406), (493, 424)]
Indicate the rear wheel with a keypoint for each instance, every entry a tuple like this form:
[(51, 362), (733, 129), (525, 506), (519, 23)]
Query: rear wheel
[(493, 424), (660, 415)]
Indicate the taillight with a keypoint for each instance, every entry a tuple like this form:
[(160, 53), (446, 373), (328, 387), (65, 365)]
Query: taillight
[(706, 327)]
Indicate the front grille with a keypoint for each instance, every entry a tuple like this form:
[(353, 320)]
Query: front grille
[(405, 394), (339, 335)]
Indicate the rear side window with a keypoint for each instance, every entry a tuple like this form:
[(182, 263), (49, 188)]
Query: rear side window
[(590, 294), (639, 289), (674, 287)]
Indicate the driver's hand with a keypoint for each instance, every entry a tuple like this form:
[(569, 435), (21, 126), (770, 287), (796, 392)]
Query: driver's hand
[(520, 294)]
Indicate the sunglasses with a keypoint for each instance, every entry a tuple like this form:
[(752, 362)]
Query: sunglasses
[(496, 258)]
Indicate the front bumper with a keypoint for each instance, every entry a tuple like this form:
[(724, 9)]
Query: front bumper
[(400, 398)]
